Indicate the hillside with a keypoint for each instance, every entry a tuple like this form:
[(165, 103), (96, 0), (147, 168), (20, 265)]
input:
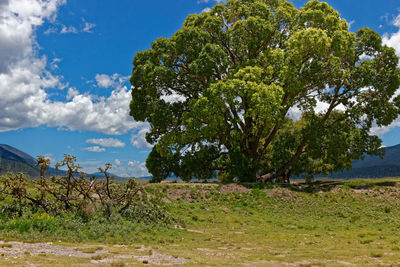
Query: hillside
[(374, 166), (14, 160)]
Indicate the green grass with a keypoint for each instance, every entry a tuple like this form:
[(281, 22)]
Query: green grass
[(351, 222)]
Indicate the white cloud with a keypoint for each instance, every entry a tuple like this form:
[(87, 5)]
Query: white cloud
[(69, 29), (107, 81), (3, 2), (85, 27), (27, 105), (139, 139), (173, 98), (123, 169), (25, 79), (351, 22), (106, 142), (366, 57), (103, 80), (207, 9), (294, 113), (131, 169), (88, 27), (18, 20), (95, 149), (51, 30), (87, 112), (53, 63), (392, 40), (49, 156), (72, 91)]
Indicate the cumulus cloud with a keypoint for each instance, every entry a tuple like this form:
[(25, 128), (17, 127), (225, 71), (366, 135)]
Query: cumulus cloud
[(25, 79), (106, 142), (122, 168), (131, 168), (392, 40), (28, 105), (3, 3), (139, 139), (95, 149), (173, 98), (18, 20), (125, 168), (87, 112), (107, 81), (72, 91)]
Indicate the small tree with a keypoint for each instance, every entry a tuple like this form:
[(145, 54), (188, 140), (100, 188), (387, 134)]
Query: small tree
[(257, 89)]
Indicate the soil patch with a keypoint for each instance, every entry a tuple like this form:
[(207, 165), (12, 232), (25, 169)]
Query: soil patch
[(12, 249)]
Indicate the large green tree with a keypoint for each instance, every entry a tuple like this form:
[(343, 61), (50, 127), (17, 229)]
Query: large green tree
[(261, 90)]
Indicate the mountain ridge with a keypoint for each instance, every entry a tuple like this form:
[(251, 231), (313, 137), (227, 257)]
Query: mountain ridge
[(15, 160)]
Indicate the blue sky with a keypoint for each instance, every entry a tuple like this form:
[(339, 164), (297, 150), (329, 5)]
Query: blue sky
[(65, 65)]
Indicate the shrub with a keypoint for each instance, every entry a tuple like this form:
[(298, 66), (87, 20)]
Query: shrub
[(33, 203)]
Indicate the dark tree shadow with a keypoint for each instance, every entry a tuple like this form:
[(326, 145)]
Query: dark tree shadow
[(327, 186)]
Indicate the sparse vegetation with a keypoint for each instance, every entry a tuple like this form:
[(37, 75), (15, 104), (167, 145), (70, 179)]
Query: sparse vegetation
[(323, 223), (76, 208)]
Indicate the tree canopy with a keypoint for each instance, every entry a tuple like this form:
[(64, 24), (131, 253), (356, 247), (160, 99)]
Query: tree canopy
[(260, 90)]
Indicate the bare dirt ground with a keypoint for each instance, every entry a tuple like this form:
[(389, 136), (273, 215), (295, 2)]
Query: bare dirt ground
[(98, 255)]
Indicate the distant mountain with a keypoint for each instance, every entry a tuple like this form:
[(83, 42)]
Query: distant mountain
[(16, 161), (11, 153), (374, 166), (101, 175)]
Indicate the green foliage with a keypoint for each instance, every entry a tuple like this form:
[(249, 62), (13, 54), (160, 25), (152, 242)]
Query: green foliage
[(238, 72)]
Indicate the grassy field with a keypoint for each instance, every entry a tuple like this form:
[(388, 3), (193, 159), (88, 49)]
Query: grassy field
[(353, 223)]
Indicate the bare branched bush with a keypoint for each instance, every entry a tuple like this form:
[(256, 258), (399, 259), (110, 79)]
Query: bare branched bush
[(74, 192), (112, 194)]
